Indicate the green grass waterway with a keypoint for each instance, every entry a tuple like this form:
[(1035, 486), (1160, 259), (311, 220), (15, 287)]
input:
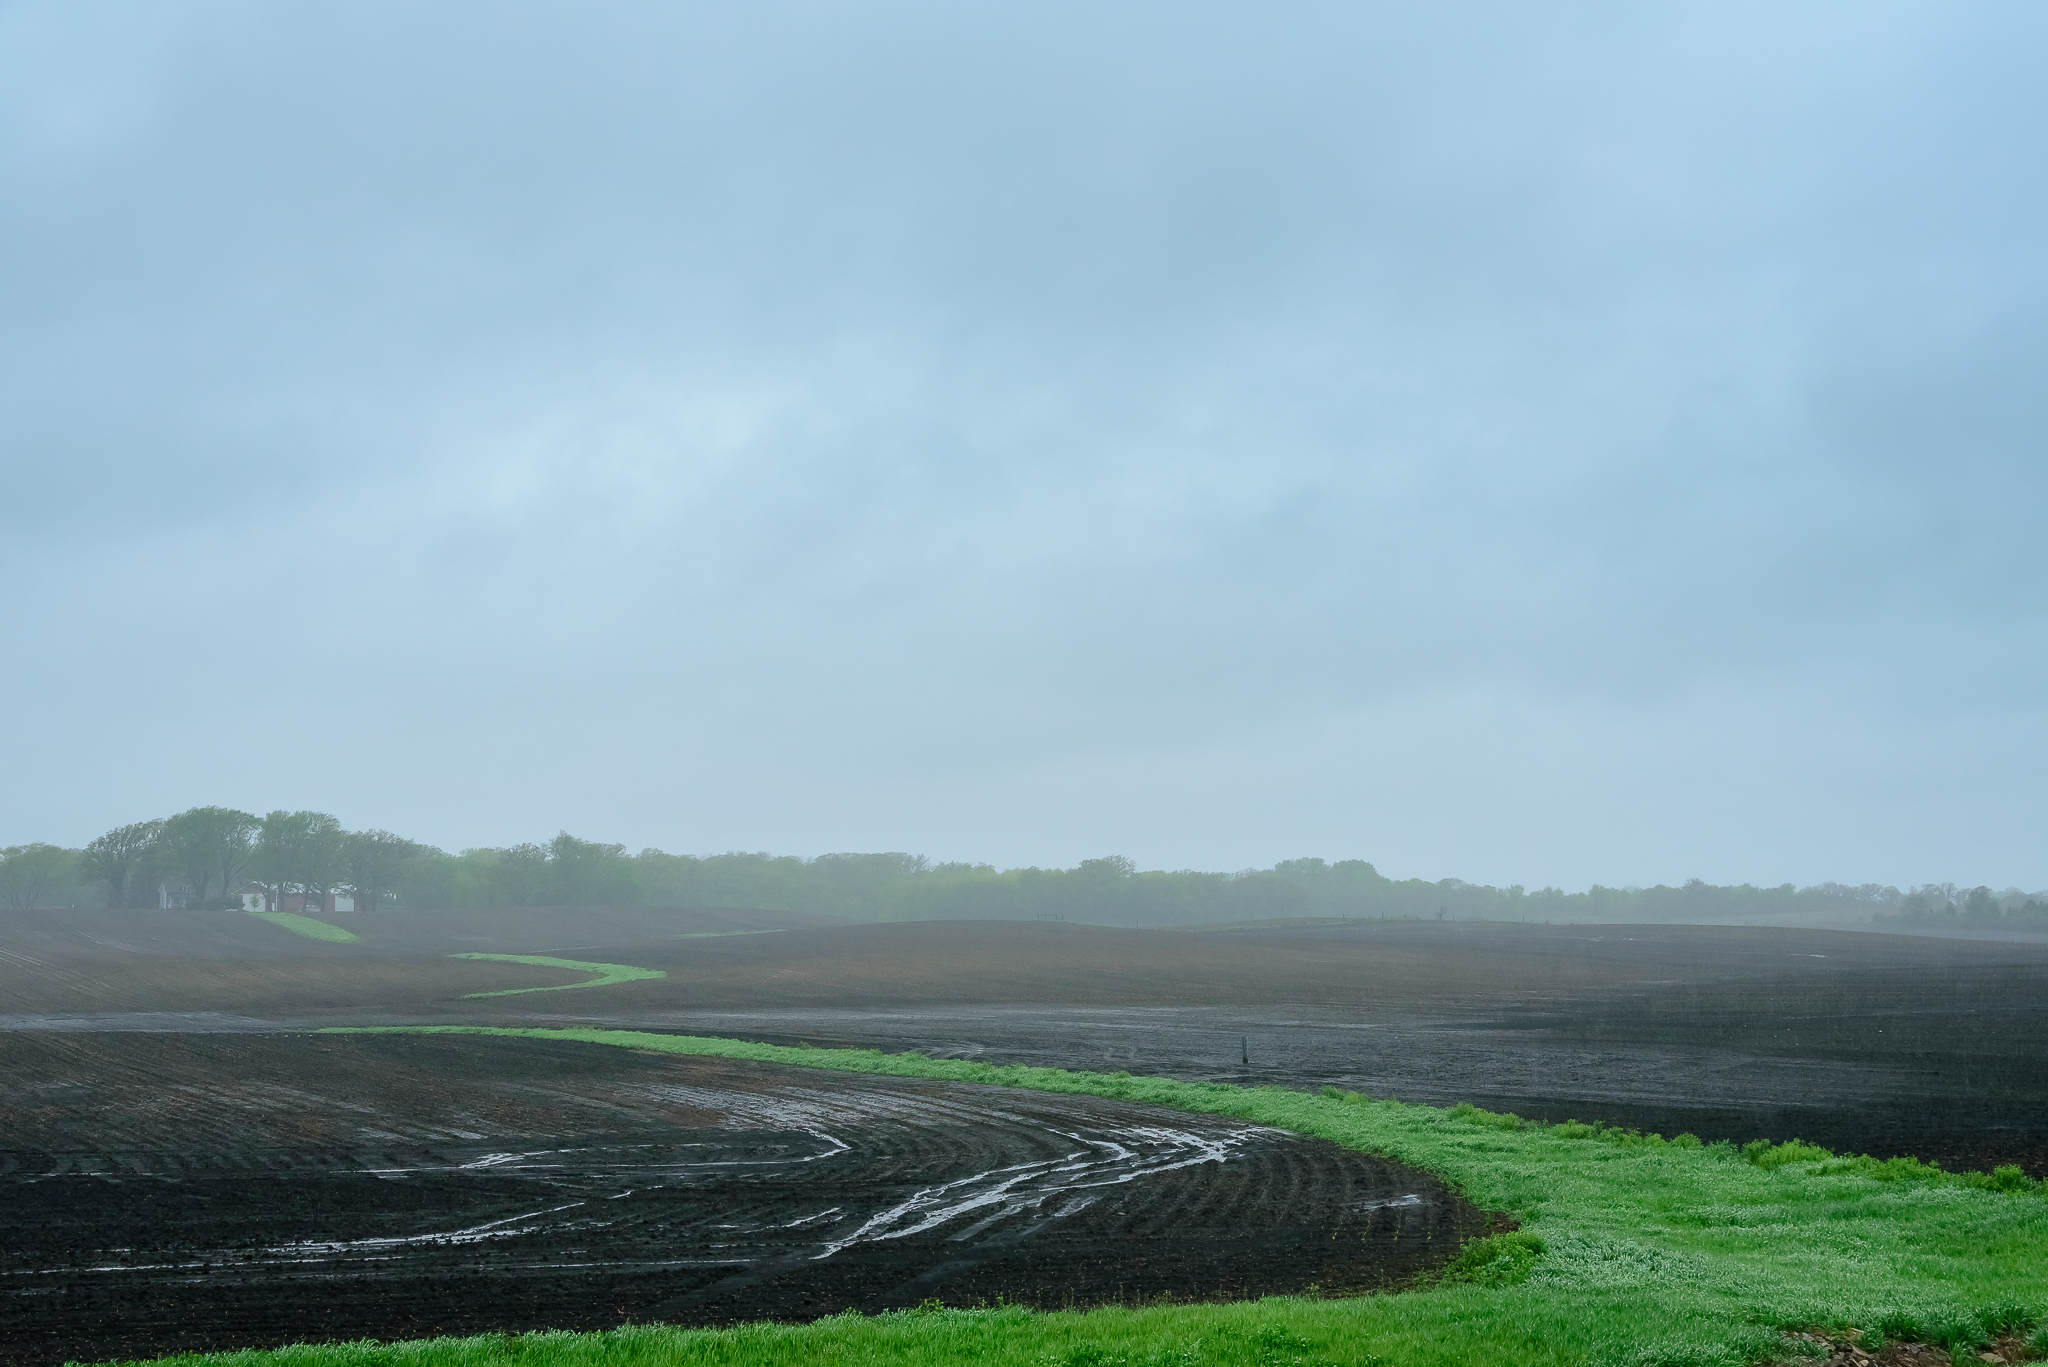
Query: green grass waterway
[(1635, 1251), (607, 974), (308, 927)]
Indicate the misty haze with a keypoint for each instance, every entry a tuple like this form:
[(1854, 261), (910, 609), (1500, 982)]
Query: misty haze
[(1147, 686)]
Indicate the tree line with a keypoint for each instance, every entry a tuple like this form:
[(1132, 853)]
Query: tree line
[(1935, 904), (203, 856), (206, 854)]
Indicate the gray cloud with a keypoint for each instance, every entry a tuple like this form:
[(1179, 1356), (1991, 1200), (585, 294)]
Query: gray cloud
[(983, 431)]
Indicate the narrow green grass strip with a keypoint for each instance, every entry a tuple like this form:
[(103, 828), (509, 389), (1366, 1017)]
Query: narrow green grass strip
[(1635, 1251), (308, 927), (607, 974)]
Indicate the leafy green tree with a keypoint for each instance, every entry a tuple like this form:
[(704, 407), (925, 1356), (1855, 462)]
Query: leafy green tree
[(299, 851), (34, 875), (1981, 906), (209, 847), (374, 864), (427, 879), (517, 875), (589, 873), (120, 858)]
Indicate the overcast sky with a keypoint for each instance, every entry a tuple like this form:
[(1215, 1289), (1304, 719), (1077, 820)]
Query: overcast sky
[(1542, 444)]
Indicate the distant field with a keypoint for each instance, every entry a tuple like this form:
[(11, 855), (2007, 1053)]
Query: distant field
[(1892, 1044)]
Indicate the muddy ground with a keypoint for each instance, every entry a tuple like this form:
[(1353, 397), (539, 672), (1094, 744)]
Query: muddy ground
[(184, 1172), (1867, 1042), (163, 1192)]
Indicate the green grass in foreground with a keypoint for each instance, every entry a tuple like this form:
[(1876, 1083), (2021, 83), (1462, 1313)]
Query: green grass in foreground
[(308, 927), (1635, 1251), (607, 974)]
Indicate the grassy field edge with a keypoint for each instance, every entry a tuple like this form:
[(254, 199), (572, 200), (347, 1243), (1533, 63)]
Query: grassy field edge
[(309, 927), (607, 974), (1635, 1251)]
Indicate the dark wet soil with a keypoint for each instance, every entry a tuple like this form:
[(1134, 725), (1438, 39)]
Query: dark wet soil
[(1967, 1104), (169, 1192), (169, 1145), (1879, 1043)]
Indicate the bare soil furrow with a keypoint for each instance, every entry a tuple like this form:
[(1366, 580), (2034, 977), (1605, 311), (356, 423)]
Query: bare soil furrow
[(698, 1190)]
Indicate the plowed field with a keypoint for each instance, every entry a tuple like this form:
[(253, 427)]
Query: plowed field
[(186, 1168), (164, 1192)]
